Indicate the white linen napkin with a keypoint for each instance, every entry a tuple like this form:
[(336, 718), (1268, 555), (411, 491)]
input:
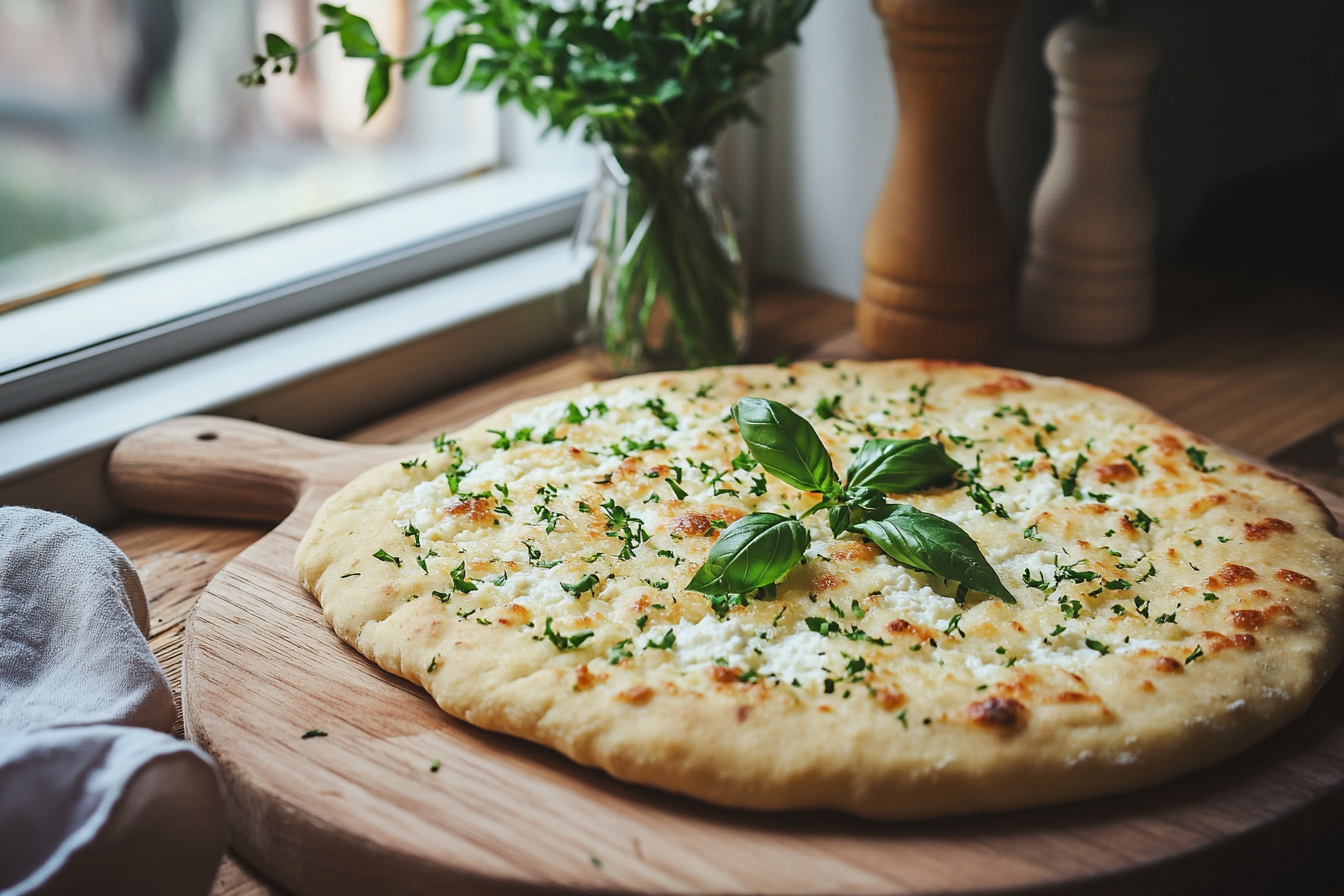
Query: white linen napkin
[(90, 800)]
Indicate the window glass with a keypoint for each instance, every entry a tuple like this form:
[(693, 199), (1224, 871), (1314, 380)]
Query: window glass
[(125, 139)]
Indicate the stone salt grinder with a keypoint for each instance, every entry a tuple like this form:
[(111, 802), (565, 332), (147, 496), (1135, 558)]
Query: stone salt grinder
[(1088, 277)]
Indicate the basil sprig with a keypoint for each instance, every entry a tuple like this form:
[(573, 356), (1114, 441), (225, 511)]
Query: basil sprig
[(759, 549)]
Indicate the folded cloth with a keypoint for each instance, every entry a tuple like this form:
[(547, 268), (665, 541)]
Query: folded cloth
[(89, 803)]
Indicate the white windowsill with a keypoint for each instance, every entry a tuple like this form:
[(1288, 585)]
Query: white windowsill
[(183, 308), (405, 346)]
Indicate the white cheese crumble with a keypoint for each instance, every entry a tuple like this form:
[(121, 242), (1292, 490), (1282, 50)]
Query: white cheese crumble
[(799, 657), (708, 640)]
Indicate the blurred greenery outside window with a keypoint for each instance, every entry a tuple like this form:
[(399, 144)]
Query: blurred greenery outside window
[(125, 140)]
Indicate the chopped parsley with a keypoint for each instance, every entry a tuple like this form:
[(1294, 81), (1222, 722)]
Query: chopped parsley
[(828, 408), (1198, 460), (1098, 646), (821, 626), (587, 583), (384, 556), (619, 651), (665, 417), (562, 642), (1142, 520), (1194, 654), (313, 732), (1019, 412), (460, 581), (665, 643)]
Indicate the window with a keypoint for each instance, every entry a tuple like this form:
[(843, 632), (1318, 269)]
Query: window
[(152, 209)]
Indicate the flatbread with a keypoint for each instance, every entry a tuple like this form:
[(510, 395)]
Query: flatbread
[(1173, 603)]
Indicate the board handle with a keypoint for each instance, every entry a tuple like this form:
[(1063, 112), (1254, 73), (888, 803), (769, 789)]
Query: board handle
[(215, 467)]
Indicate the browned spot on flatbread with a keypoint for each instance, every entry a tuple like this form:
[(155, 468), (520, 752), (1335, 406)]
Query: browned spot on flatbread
[(475, 509), (854, 550), (1071, 697), (1247, 620), (1231, 574), (996, 712), (1216, 641), (826, 581), (694, 523), (1016, 684), (1254, 620), (890, 698), (584, 678), (1117, 472), (1167, 444), (742, 712), (1208, 502), (1147, 686), (628, 468), (1126, 526), (1265, 528), (637, 695), (901, 627), (1168, 665), (1296, 579), (1005, 383), (725, 674)]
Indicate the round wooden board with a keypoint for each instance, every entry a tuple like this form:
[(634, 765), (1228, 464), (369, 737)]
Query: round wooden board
[(362, 810)]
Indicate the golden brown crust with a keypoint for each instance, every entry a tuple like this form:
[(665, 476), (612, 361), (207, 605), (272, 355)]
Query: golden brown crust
[(1166, 616)]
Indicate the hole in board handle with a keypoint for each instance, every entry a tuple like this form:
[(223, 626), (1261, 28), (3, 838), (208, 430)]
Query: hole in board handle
[(207, 436)]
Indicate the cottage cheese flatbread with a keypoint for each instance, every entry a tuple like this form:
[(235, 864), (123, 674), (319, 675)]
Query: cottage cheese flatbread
[(1173, 604)]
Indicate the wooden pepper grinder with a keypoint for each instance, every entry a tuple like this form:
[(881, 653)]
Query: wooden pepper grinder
[(1088, 279), (936, 282)]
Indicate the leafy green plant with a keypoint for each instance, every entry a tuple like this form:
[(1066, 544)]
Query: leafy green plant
[(633, 71), (759, 549), (653, 80)]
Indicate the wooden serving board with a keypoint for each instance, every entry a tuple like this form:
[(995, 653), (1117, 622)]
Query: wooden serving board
[(361, 810)]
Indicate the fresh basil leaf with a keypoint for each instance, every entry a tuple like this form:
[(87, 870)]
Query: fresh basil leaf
[(448, 64), (357, 37), (839, 518), (785, 445), (753, 552), (277, 46), (930, 543), (380, 82), (900, 465)]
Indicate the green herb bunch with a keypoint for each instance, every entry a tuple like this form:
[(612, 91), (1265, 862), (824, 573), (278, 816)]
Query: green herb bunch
[(758, 550), (650, 72)]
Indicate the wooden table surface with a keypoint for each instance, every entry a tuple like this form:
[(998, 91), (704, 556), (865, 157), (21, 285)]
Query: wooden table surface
[(1254, 367)]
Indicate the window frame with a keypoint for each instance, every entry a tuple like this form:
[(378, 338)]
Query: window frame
[(492, 214)]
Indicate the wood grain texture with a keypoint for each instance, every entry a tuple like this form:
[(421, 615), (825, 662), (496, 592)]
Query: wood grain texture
[(1255, 367), (363, 808)]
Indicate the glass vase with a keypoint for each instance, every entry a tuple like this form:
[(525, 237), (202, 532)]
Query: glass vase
[(666, 289)]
